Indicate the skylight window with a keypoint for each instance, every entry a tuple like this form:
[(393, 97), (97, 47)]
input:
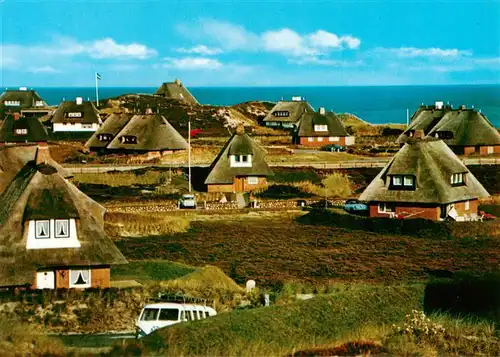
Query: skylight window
[(457, 179)]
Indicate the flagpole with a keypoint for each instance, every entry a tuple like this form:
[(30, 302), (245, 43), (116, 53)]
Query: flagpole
[(189, 154), (96, 90)]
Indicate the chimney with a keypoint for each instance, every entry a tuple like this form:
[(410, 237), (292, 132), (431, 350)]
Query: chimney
[(42, 154), (79, 100), (322, 110), (439, 105), (419, 134), (16, 116), (462, 107)]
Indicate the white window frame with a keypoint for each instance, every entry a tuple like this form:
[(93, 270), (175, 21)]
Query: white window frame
[(467, 205), (321, 128), (237, 161), (408, 180), (333, 138), (75, 114), (40, 222), (310, 139), (39, 103), (21, 131), (457, 179), (382, 207), (12, 103), (395, 180), (81, 286), (320, 138), (490, 150), (56, 233), (253, 180), (86, 126)]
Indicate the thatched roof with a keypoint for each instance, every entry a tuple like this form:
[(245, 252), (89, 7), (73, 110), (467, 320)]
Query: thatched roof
[(27, 98), (153, 133), (14, 158), (26, 197), (432, 163), (469, 128), (90, 114), (296, 110), (239, 144), (176, 90), (334, 124), (112, 126), (35, 131)]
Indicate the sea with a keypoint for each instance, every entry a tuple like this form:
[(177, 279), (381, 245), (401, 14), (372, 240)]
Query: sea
[(375, 104)]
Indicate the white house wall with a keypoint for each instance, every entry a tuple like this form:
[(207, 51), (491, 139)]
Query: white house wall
[(52, 242), (74, 127)]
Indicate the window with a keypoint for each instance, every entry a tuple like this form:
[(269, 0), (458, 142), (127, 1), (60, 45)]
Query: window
[(321, 128), (87, 126), (408, 181), (169, 315), (61, 228), (467, 205), (39, 103), (42, 229), (490, 150), (21, 131), (320, 139), (183, 315), (189, 315), (241, 160), (386, 207), (207, 314), (105, 137), (397, 180), (281, 113), (310, 139), (12, 103), (333, 138), (149, 314), (79, 278), (128, 139), (253, 180), (457, 179), (74, 114), (444, 135)]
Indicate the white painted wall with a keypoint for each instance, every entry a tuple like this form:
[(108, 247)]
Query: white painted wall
[(75, 127), (45, 279), (52, 242)]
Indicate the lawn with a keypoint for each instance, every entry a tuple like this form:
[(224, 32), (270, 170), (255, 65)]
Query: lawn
[(150, 270), (279, 249)]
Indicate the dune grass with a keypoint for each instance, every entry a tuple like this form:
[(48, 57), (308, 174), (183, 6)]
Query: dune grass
[(143, 224), (278, 329), (150, 270), (115, 179)]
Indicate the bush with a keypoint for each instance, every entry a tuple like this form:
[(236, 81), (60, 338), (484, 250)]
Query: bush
[(392, 131), (282, 191), (337, 185)]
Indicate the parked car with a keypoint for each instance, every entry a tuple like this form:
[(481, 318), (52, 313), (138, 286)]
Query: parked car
[(158, 315), (355, 206), (333, 148), (187, 201)]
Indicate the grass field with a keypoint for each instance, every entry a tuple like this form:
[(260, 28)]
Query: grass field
[(278, 249), (150, 270)]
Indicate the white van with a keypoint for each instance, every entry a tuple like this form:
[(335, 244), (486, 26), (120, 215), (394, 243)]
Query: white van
[(158, 315)]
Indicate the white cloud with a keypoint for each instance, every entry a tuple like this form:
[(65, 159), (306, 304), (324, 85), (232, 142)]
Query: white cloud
[(109, 48), (228, 35), (43, 69), (287, 42), (324, 39), (192, 63), (413, 52), (326, 62), (201, 50)]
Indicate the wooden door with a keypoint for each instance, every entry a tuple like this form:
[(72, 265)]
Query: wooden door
[(239, 184)]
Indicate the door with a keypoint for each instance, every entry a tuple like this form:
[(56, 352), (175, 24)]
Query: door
[(45, 279), (239, 184)]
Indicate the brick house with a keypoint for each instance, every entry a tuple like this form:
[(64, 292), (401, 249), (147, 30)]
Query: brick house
[(465, 130), (51, 234), (425, 179), (176, 90), (287, 114), (137, 133), (317, 129), (239, 166)]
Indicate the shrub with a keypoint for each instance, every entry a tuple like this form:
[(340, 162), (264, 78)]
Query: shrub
[(337, 185), (144, 224)]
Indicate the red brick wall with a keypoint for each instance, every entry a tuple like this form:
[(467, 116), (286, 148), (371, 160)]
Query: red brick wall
[(100, 277), (236, 187), (220, 188), (460, 207), (483, 150), (315, 143), (416, 211), (469, 150)]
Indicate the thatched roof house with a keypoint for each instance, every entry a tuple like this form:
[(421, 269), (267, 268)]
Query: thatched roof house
[(287, 114), (466, 131), (322, 128), (176, 90), (137, 133), (51, 234), (425, 179), (20, 129), (239, 166), (76, 115), (21, 98)]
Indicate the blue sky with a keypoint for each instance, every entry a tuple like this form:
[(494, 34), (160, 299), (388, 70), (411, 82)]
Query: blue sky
[(231, 43)]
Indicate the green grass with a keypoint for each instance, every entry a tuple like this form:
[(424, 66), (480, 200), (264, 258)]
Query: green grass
[(150, 270), (278, 329)]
